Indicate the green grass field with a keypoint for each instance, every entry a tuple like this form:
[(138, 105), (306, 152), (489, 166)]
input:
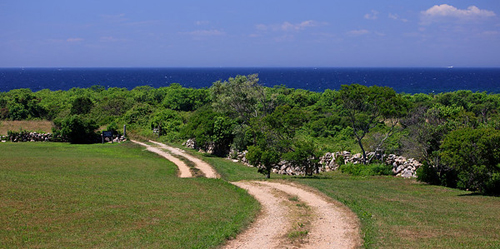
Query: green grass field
[(401, 213), (111, 196), (61, 195)]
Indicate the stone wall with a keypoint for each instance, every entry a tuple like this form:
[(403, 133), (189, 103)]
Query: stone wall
[(29, 137), (401, 166)]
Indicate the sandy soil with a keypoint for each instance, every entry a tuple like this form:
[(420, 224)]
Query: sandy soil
[(204, 167), (332, 225), (184, 171)]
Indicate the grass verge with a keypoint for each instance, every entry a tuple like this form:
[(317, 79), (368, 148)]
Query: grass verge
[(399, 213), (112, 196), (402, 213)]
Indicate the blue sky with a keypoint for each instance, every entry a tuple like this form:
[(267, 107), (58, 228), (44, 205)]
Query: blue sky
[(232, 33)]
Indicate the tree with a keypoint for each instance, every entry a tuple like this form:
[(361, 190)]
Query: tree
[(305, 156), (273, 138), (210, 128), (77, 129), (264, 158), (81, 105), (241, 97), (475, 155), (366, 107)]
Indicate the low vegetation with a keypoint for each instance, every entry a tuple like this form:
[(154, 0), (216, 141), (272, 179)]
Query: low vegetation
[(402, 213), (111, 196)]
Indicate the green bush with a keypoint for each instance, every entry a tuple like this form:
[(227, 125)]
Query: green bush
[(427, 173), (373, 169), (475, 155), (77, 129)]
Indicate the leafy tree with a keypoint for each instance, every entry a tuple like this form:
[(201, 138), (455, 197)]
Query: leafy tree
[(273, 138), (184, 99), (139, 114), (241, 97), (23, 104), (209, 128), (366, 107), (265, 158), (475, 155), (305, 156), (169, 122), (81, 105), (77, 129)]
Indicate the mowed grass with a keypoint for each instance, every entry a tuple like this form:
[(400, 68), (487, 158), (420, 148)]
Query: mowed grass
[(402, 213), (111, 196)]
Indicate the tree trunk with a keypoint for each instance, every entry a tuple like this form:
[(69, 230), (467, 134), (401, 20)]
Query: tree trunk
[(363, 150)]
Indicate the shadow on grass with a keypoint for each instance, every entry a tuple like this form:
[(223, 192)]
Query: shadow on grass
[(478, 194)]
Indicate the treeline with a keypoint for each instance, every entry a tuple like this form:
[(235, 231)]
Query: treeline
[(455, 134)]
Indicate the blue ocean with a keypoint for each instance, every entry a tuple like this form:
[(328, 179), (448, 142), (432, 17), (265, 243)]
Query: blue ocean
[(403, 80)]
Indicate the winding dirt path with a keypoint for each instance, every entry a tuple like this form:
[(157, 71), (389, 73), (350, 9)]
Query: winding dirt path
[(332, 225), (204, 167), (329, 223), (184, 171)]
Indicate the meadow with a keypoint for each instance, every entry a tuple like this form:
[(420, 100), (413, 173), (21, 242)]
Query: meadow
[(400, 213), (111, 196)]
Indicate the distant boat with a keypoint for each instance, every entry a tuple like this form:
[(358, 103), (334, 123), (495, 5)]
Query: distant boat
[(450, 67)]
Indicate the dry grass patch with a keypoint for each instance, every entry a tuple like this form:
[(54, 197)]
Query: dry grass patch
[(32, 125)]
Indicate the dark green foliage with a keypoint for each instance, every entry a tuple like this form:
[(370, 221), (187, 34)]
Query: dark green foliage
[(81, 105), (437, 175), (139, 114), (266, 158), (184, 99), (21, 104), (114, 128), (475, 155), (429, 174), (209, 128), (373, 169), (304, 155), (168, 121), (77, 129), (365, 107)]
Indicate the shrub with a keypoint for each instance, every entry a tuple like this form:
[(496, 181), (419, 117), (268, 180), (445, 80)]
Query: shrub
[(77, 129), (427, 173), (475, 155), (373, 169)]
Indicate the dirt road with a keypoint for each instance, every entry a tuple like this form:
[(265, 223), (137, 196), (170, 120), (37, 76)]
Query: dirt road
[(204, 167), (184, 171), (329, 224), (292, 216)]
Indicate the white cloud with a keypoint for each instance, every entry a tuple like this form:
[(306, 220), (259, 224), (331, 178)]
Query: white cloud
[(444, 11), (74, 39), (287, 26), (114, 18), (372, 16), (491, 33), (358, 32), (199, 23), (396, 17), (110, 39), (211, 32)]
